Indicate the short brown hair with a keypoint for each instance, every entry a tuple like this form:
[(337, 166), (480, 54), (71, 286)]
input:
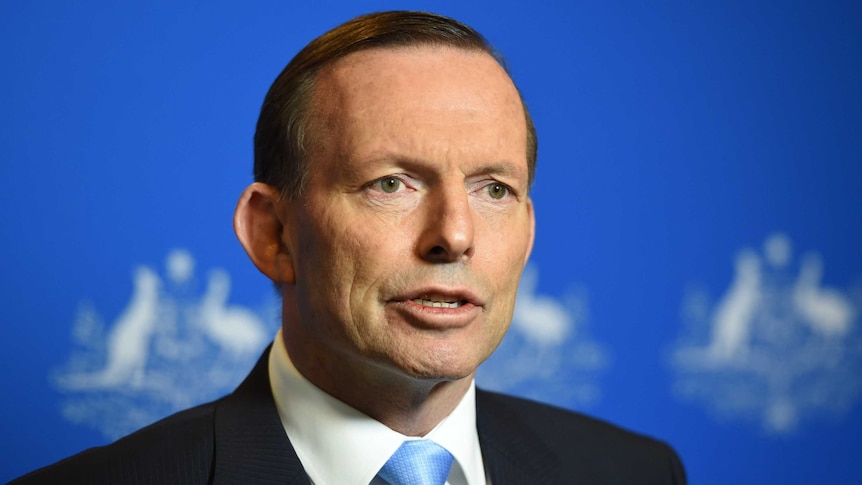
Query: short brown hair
[(281, 139)]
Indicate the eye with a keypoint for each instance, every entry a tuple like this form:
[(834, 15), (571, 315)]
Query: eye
[(389, 185), (497, 190)]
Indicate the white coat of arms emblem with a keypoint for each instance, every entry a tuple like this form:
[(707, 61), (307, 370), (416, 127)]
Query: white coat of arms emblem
[(172, 346), (778, 345)]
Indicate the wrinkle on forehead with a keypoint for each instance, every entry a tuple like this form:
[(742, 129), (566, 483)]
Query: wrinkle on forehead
[(421, 87)]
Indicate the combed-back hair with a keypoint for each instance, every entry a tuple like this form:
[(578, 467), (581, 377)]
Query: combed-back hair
[(284, 129)]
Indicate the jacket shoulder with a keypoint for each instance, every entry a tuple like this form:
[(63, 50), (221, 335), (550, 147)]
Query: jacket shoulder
[(175, 450), (586, 447)]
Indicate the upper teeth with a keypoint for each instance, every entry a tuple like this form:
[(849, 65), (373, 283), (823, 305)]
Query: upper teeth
[(437, 304)]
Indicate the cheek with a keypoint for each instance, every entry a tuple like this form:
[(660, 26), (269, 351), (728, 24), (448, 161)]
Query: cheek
[(504, 273), (509, 248), (355, 259), (377, 241), (322, 267)]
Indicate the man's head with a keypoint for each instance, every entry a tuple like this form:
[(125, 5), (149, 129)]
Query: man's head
[(399, 259), (284, 130)]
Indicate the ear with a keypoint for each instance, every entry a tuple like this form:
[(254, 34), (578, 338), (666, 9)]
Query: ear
[(532, 216), (259, 224)]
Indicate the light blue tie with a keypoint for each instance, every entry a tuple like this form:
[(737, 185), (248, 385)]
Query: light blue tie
[(417, 462)]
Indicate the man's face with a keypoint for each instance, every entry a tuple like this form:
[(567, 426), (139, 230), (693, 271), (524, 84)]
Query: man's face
[(409, 240)]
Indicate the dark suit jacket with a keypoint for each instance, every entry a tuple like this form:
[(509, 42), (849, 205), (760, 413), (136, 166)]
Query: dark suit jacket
[(239, 439)]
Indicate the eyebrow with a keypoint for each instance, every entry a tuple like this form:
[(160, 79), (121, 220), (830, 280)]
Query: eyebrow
[(502, 168), (507, 169)]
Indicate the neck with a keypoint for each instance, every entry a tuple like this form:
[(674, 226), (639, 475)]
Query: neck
[(410, 405)]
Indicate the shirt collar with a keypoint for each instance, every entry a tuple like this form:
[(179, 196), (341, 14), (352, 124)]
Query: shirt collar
[(325, 431)]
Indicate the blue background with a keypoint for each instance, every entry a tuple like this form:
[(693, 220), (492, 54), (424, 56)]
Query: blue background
[(672, 134)]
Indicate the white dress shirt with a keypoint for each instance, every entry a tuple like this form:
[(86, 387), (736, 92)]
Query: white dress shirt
[(337, 444)]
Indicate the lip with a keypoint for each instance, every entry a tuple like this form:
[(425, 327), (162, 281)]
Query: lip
[(438, 317), (463, 295)]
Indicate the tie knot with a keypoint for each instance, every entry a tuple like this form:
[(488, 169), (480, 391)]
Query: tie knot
[(417, 462)]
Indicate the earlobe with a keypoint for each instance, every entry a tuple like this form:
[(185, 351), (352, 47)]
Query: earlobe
[(260, 227)]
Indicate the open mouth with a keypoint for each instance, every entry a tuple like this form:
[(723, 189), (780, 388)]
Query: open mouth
[(439, 304)]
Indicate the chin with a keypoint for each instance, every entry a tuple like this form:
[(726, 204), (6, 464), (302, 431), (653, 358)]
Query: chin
[(440, 366)]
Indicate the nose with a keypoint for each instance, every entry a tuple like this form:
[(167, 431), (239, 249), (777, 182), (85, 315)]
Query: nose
[(449, 227)]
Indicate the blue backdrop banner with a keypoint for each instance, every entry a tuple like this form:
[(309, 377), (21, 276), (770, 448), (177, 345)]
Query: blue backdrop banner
[(696, 274)]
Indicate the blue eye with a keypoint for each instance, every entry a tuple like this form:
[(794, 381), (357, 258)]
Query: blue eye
[(497, 191)]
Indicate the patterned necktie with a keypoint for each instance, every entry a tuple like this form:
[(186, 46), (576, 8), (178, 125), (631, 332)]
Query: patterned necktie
[(417, 462)]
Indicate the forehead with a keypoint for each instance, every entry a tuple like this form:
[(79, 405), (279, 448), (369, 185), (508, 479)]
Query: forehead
[(422, 68), (421, 88)]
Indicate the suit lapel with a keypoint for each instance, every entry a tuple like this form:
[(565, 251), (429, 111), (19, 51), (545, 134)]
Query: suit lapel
[(512, 453), (251, 446)]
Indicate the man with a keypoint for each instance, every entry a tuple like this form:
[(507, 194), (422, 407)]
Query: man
[(393, 159)]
